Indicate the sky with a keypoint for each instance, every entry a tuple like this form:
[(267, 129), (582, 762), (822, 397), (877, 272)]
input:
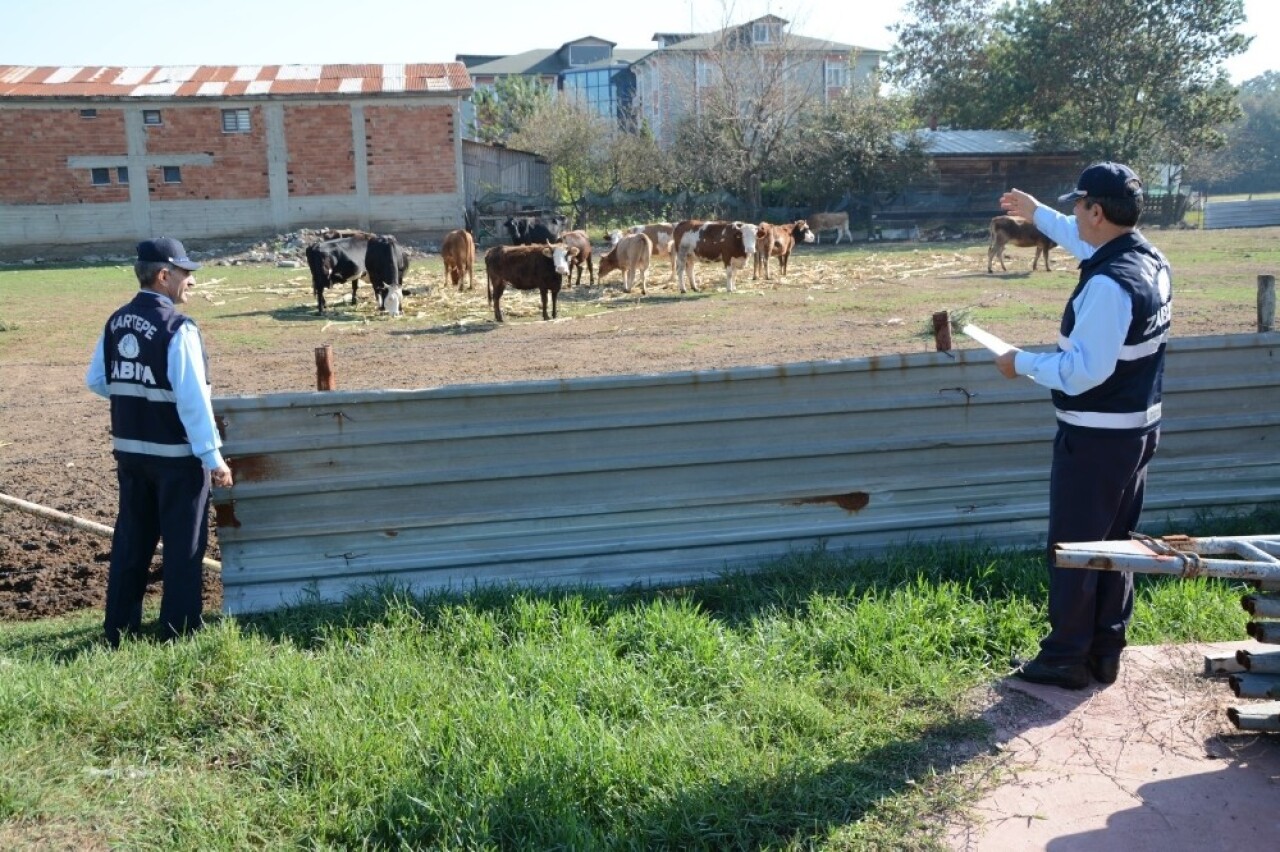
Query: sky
[(286, 32)]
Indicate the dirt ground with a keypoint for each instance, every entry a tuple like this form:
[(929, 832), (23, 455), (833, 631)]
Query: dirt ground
[(54, 438)]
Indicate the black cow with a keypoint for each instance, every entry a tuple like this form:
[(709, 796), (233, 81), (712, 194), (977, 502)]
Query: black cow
[(535, 230), (335, 261), (386, 263), (527, 268)]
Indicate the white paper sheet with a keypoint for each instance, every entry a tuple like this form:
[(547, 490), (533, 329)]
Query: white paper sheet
[(987, 339)]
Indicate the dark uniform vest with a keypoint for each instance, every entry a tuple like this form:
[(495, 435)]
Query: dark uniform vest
[(144, 411), (1129, 399)]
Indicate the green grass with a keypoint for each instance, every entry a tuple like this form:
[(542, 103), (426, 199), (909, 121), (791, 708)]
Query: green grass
[(820, 703)]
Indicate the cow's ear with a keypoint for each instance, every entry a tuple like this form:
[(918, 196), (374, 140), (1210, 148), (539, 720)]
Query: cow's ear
[(548, 251), (573, 251)]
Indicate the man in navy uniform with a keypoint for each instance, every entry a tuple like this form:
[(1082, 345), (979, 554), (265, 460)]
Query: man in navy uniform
[(1106, 378), (150, 362)]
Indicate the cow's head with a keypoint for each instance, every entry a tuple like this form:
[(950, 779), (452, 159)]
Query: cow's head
[(615, 237), (560, 254), (802, 233), (748, 236), (391, 301)]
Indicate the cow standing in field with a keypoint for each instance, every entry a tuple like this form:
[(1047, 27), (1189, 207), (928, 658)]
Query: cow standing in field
[(630, 254), (730, 243), (535, 230), (526, 268), (580, 241), (386, 263), (778, 241), (660, 235), (334, 262), (1012, 230), (838, 222), (458, 251)]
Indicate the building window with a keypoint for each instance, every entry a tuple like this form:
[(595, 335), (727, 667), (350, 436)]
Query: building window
[(151, 116), (235, 121), (122, 174), (594, 90), (100, 177), (837, 75), (88, 113), (585, 54), (765, 33), (172, 174)]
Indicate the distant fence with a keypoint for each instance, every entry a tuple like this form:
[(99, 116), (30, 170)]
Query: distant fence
[(662, 478), (1241, 214)]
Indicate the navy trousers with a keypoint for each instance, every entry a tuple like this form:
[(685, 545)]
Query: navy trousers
[(1096, 487), (160, 500)]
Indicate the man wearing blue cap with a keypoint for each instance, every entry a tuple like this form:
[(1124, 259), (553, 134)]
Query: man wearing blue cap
[(151, 364), (1105, 379)]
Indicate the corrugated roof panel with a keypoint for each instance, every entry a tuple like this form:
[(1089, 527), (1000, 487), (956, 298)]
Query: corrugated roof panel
[(351, 85), (662, 478), (393, 78), (152, 90), (246, 73), (213, 89), (174, 73), (17, 73), (299, 72), (64, 74), (130, 76), (258, 87)]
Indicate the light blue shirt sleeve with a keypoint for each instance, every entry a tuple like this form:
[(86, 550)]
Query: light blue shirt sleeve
[(1088, 357), (1063, 231), (96, 378), (191, 390)]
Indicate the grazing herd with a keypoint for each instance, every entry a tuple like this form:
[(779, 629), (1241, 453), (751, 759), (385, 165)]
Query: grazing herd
[(543, 255)]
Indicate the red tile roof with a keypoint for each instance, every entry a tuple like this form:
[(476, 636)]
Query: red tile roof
[(181, 81)]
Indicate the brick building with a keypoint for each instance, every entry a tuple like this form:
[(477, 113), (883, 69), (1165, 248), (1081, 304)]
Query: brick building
[(102, 154)]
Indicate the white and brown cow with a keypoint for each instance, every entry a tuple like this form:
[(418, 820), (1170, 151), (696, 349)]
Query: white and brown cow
[(838, 222), (1015, 231), (458, 251), (630, 254), (778, 241), (730, 243), (660, 234)]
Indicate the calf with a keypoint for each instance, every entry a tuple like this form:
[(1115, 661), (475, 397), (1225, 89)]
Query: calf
[(526, 268), (458, 251), (535, 230), (778, 241), (731, 243), (580, 241), (660, 235), (1006, 230), (386, 263), (630, 254), (335, 261), (838, 222)]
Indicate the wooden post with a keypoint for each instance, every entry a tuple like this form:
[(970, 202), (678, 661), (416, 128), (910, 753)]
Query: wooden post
[(942, 331), (326, 379), (1266, 303)]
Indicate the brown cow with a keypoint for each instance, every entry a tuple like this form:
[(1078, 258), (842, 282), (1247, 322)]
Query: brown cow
[(526, 268), (659, 233), (1016, 231), (778, 241), (838, 222), (580, 241), (731, 243), (458, 251), (630, 254)]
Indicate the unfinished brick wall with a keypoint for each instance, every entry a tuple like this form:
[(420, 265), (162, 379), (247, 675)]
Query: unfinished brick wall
[(35, 145), (239, 168), (321, 156), (410, 150)]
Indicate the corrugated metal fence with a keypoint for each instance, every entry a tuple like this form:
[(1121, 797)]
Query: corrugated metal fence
[(1241, 214), (660, 478)]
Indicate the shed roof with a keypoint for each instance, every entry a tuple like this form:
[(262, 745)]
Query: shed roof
[(181, 81), (981, 142)]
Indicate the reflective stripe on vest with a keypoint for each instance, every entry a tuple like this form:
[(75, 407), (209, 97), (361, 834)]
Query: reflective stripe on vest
[(1126, 353), (152, 394), (1110, 420), (149, 448)]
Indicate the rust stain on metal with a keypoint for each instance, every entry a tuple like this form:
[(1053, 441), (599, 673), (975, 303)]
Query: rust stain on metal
[(1102, 563), (252, 468), (225, 514), (391, 533), (854, 501)]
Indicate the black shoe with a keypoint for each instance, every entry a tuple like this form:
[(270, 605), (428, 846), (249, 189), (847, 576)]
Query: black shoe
[(1070, 676), (1105, 667)]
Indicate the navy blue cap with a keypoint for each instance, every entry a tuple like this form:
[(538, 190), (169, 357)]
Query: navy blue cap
[(166, 250), (1105, 180)]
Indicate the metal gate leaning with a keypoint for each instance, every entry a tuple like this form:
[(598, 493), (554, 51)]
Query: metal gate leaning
[(664, 478)]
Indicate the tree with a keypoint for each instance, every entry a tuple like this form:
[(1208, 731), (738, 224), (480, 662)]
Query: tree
[(503, 109), (1250, 161), (1135, 80)]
